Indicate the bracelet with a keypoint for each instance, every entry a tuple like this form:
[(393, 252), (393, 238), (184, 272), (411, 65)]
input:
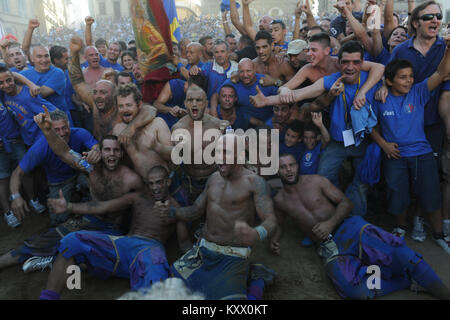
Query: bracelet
[(172, 212), (262, 232), (70, 207)]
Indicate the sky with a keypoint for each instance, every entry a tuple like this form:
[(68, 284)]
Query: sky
[(80, 9)]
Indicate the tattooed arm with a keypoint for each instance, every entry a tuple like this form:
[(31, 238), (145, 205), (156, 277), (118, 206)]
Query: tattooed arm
[(76, 74), (92, 208)]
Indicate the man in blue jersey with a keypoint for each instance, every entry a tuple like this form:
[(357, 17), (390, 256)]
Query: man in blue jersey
[(60, 176), (407, 149), (51, 79), (246, 87)]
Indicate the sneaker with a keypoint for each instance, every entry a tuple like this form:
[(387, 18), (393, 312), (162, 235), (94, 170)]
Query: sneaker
[(37, 263), (418, 234), (444, 243), (399, 232), (261, 272), (37, 206), (446, 227)]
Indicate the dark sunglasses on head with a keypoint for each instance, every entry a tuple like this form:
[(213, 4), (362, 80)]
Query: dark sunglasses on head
[(430, 16)]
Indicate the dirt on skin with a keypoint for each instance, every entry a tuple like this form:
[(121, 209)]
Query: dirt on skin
[(300, 275)]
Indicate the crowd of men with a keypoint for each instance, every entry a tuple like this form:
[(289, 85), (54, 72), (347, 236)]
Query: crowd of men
[(78, 140)]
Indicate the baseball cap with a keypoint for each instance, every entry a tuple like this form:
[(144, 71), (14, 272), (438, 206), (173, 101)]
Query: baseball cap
[(296, 46)]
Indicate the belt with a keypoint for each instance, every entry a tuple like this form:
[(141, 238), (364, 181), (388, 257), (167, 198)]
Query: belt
[(243, 253)]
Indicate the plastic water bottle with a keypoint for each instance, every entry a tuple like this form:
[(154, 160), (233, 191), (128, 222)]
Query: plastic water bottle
[(229, 130), (12, 220), (79, 159)]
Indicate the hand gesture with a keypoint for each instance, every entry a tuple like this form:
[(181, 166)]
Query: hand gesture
[(359, 101), (89, 21), (338, 87), (195, 70), (298, 10), (341, 7), (258, 101), (33, 24), (244, 234), (126, 137), (322, 230), (286, 95), (76, 44), (234, 77), (93, 157), (19, 207), (58, 205), (43, 120), (382, 94), (317, 119), (162, 209), (34, 90), (391, 150), (4, 43)]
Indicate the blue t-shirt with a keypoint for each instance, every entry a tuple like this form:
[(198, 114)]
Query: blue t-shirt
[(178, 98), (215, 79), (296, 150), (242, 119), (54, 79), (244, 92), (424, 67), (402, 120), (14, 69), (283, 46), (57, 171), (309, 160), (9, 128), (383, 58), (23, 108), (69, 92), (337, 110)]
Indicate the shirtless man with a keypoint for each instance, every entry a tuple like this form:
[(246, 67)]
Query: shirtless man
[(322, 64), (140, 149), (109, 180), (218, 265), (140, 256), (101, 101), (94, 72), (348, 245), (193, 177), (268, 64)]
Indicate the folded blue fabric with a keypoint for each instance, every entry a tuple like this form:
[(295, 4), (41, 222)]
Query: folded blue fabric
[(363, 121)]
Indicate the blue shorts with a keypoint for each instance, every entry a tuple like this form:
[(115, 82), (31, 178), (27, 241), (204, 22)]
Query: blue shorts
[(422, 173), (10, 161), (139, 259), (362, 245), (215, 275)]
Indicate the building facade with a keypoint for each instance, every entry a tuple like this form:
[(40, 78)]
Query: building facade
[(102, 9)]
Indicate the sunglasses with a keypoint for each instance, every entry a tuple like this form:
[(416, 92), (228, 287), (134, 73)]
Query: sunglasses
[(430, 16)]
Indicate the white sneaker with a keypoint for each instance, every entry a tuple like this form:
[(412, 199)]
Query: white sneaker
[(418, 234), (444, 243), (446, 227), (399, 232), (37, 206), (37, 263)]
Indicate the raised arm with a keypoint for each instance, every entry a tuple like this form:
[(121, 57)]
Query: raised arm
[(358, 29), (442, 71), (298, 14), (234, 15), (248, 23), (4, 50), (376, 73), (310, 20), (389, 23), (92, 208), (325, 135), (26, 44), (226, 26), (88, 32), (76, 74)]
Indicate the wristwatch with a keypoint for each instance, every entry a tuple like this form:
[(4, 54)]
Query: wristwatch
[(14, 197)]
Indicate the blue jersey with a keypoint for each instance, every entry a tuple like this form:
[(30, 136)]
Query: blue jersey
[(401, 120), (424, 67), (23, 107), (57, 171), (339, 109), (242, 119), (9, 128), (309, 160), (105, 64), (69, 92), (296, 150), (244, 92), (216, 76)]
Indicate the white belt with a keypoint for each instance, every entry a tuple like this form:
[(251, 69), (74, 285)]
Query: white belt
[(243, 253)]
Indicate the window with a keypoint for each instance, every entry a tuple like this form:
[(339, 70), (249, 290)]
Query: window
[(4, 5), (22, 8), (117, 9), (102, 8)]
